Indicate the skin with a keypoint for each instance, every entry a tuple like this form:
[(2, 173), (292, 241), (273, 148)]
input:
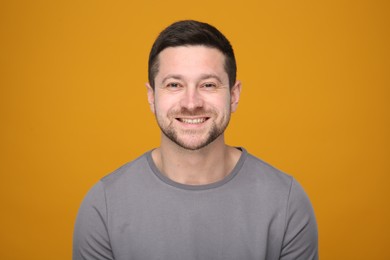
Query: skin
[(192, 103)]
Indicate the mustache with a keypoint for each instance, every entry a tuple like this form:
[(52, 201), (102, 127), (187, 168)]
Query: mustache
[(190, 112)]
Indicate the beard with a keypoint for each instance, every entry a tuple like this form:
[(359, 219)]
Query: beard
[(193, 139)]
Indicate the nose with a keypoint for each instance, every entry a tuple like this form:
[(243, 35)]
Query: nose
[(191, 98)]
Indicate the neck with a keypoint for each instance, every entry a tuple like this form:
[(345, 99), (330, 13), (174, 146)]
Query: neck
[(196, 167)]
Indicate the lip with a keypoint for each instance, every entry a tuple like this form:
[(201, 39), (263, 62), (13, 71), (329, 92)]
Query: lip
[(193, 121)]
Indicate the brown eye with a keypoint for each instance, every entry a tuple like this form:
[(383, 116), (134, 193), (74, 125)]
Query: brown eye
[(209, 85), (173, 85)]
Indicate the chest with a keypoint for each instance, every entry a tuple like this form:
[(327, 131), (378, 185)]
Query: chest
[(196, 226)]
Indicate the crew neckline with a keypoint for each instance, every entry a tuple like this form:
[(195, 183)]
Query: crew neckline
[(213, 185)]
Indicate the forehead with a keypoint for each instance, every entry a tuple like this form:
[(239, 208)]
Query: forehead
[(191, 60)]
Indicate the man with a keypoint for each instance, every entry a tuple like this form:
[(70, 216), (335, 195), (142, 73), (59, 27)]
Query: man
[(194, 197)]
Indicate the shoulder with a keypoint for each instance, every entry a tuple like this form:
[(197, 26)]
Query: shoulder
[(279, 188), (258, 171), (282, 190), (128, 181), (127, 172), (124, 181)]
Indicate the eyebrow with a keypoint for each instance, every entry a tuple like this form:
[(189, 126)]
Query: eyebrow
[(171, 76), (202, 77)]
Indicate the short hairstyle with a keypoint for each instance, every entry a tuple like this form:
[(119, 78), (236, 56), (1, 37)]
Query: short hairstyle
[(189, 33)]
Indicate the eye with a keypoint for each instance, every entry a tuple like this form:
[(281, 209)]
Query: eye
[(209, 85), (173, 85)]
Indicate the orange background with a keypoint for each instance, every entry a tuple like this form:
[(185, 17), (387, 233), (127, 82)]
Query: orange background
[(73, 108)]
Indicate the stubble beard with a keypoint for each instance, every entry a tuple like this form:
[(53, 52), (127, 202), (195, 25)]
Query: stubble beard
[(182, 138)]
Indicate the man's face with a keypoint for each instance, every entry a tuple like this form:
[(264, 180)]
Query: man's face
[(192, 100)]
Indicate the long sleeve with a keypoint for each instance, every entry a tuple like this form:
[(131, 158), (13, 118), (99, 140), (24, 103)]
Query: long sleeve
[(301, 234), (90, 238)]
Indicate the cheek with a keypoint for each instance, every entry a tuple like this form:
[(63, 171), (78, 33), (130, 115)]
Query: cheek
[(222, 104), (163, 104)]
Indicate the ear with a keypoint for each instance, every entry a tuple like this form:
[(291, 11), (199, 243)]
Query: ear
[(235, 96), (150, 97)]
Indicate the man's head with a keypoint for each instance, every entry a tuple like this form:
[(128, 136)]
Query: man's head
[(191, 33), (192, 86)]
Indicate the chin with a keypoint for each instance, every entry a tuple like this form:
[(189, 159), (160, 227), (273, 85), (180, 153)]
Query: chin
[(191, 146), (194, 145), (193, 140)]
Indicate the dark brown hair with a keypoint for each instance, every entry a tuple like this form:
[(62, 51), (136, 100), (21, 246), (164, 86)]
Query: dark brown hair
[(187, 33)]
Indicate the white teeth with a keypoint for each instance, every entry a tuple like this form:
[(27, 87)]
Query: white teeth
[(193, 121)]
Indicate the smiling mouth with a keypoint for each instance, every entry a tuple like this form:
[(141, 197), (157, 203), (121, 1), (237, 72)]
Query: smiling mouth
[(193, 121)]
